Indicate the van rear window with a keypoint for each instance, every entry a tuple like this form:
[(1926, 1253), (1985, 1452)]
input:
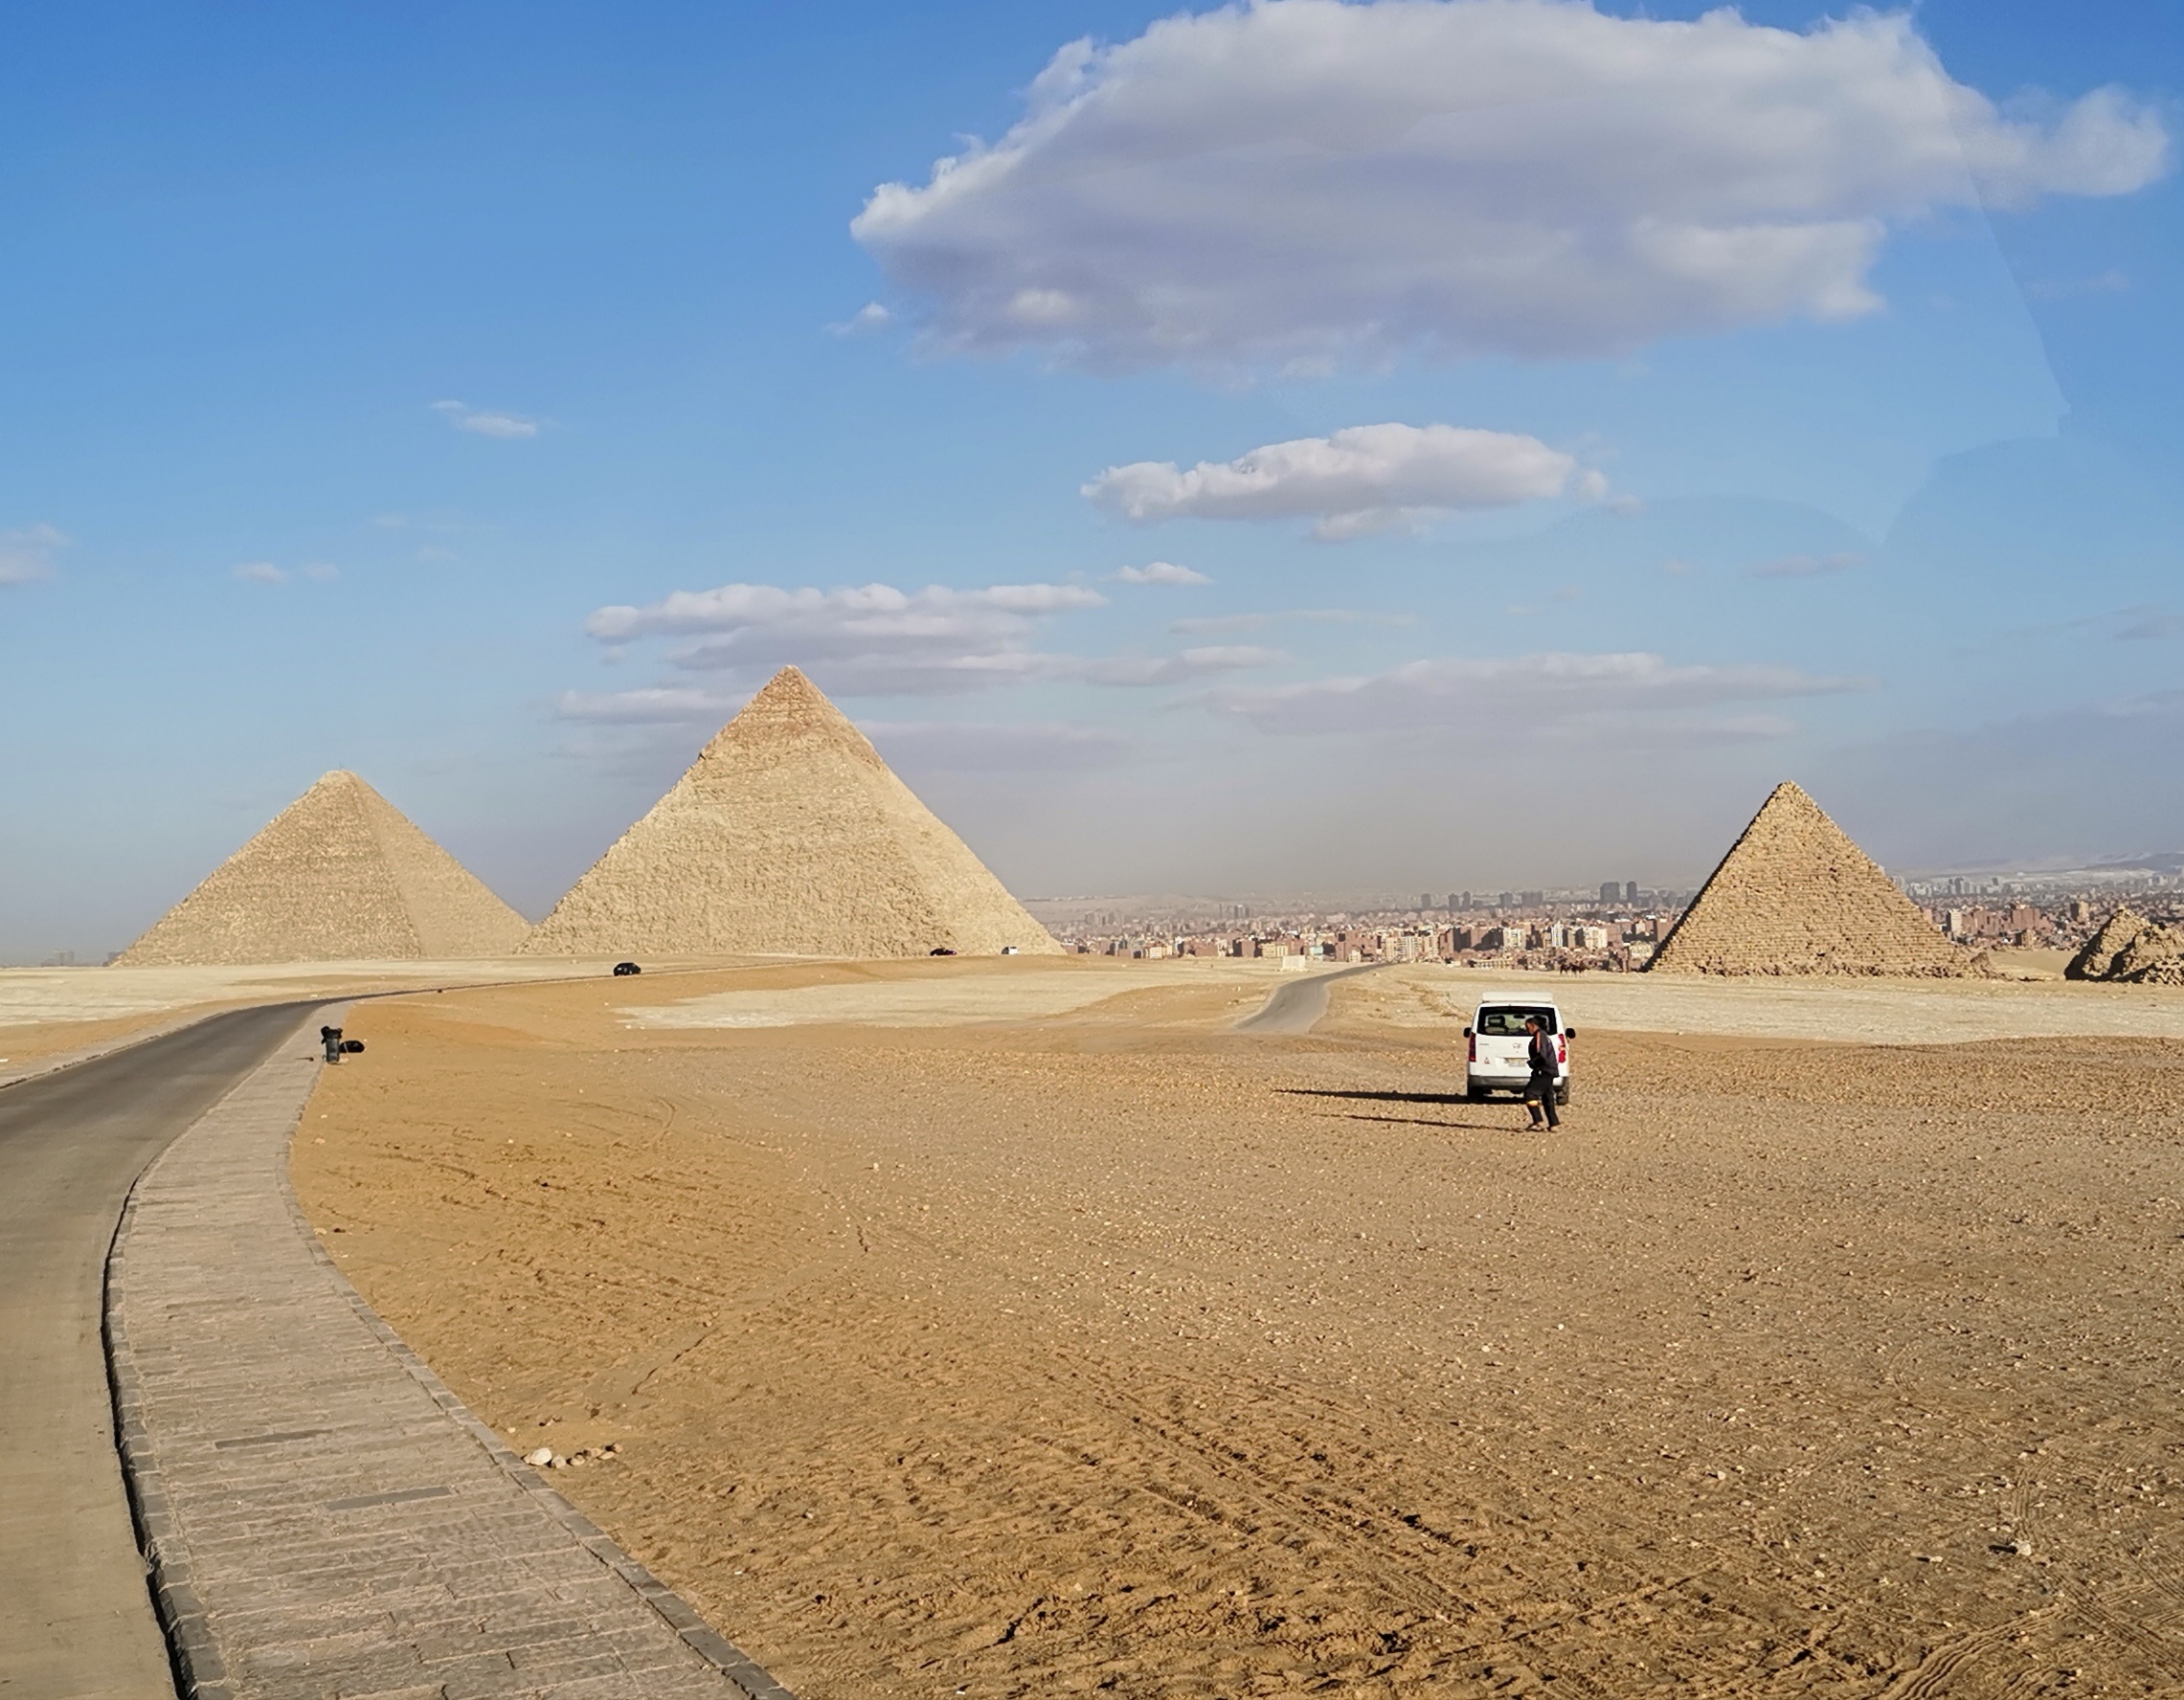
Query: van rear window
[(1507, 1021)]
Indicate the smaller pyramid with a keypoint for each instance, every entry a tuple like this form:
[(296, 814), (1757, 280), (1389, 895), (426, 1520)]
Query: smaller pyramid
[(340, 875), (2097, 961), (1794, 896), (2131, 949), (789, 835)]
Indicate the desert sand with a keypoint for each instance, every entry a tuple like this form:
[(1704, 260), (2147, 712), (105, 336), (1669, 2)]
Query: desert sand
[(1104, 1349), (52, 1016)]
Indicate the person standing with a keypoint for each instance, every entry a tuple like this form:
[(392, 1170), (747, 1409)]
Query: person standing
[(330, 1038), (1540, 1053)]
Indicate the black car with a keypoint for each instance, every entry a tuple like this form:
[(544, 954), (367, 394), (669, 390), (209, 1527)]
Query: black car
[(628, 968)]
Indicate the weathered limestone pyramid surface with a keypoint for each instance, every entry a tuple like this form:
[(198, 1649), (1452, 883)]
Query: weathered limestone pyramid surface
[(340, 875), (2097, 961), (1794, 896), (789, 833), (2131, 949)]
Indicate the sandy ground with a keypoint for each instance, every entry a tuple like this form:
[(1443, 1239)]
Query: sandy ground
[(1426, 995), (1107, 1351), (51, 1015)]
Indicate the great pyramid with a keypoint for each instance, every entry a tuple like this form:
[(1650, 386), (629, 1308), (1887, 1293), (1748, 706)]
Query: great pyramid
[(340, 875), (788, 834), (1794, 896)]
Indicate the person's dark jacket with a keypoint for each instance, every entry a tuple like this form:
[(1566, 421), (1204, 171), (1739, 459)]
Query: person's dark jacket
[(1540, 1052)]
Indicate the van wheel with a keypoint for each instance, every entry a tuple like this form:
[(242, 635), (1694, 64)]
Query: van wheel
[(1562, 1094), (1474, 1094)]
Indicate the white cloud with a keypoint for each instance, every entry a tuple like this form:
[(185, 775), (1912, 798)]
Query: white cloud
[(1613, 695), (263, 572), (1303, 181), (1191, 663), (325, 572), (28, 554), (464, 417), (1160, 572), (655, 705), (1360, 480), (980, 747), (869, 318), (1806, 566), (867, 639)]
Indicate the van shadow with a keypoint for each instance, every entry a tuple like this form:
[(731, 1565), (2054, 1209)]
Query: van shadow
[(1375, 1097), (1436, 1097)]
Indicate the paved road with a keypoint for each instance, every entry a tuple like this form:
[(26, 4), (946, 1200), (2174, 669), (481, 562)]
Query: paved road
[(77, 1621), (1297, 1007)]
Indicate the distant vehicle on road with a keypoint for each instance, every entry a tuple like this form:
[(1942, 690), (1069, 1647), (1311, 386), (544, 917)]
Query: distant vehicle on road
[(940, 950), (1496, 1060), (628, 968)]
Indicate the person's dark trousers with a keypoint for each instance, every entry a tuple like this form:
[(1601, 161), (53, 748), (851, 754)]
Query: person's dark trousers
[(1541, 1089)]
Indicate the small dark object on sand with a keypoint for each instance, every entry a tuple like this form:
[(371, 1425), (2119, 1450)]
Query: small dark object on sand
[(941, 950), (628, 968), (353, 1047)]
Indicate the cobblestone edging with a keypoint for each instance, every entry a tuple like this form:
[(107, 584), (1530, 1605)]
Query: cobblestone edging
[(492, 1585)]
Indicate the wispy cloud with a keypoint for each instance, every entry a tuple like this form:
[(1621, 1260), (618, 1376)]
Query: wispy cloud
[(1159, 572), (2108, 282), (651, 705), (865, 639), (1180, 668), (866, 319), (485, 422), (1353, 482), (1605, 696), (1804, 565), (924, 746), (1208, 625), (269, 572), (28, 553)]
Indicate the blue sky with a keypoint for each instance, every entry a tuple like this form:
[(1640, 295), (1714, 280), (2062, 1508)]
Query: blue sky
[(1810, 394)]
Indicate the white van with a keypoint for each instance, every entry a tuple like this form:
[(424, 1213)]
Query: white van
[(1498, 1058)]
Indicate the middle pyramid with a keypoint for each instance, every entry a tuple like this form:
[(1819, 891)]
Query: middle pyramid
[(788, 834)]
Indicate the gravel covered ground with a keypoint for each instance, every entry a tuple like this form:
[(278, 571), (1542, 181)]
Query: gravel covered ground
[(1113, 1352)]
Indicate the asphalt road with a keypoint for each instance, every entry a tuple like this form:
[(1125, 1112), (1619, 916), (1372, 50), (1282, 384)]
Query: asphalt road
[(77, 1619), (1297, 1007)]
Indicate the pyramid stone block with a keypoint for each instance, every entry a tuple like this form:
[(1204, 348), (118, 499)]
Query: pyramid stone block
[(1794, 896), (341, 875), (788, 835)]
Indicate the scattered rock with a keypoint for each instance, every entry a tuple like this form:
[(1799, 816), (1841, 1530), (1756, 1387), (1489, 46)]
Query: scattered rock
[(540, 1458)]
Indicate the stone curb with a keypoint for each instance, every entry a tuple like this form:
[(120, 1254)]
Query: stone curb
[(199, 1672)]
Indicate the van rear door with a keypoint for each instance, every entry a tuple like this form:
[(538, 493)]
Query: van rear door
[(1501, 1037)]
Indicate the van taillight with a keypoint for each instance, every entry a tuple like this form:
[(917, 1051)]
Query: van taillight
[(1472, 1055), (1562, 1051)]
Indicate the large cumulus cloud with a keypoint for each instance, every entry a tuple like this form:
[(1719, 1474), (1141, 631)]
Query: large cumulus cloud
[(1309, 181)]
